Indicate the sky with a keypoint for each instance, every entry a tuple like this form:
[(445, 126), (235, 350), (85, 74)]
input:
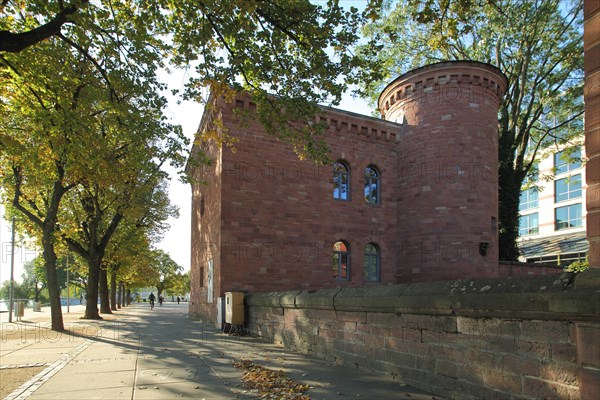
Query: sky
[(177, 240)]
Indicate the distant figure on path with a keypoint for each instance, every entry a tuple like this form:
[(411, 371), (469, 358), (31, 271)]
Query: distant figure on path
[(178, 299), (160, 300), (151, 298)]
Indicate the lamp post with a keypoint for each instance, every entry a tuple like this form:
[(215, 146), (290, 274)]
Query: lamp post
[(68, 292), (12, 273)]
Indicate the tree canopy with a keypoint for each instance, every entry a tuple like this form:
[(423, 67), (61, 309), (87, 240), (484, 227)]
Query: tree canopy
[(82, 111), (294, 49), (535, 43)]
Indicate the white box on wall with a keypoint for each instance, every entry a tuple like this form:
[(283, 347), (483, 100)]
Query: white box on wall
[(234, 308)]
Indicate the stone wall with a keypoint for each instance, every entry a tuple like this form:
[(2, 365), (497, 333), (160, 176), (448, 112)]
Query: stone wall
[(503, 338), (205, 179), (271, 220), (280, 219), (591, 93), (515, 268)]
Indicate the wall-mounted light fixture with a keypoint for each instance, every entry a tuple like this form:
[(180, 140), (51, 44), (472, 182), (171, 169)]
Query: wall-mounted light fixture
[(483, 248)]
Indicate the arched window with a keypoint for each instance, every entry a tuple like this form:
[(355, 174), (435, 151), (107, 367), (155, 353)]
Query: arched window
[(341, 181), (372, 263), (371, 185), (341, 261)]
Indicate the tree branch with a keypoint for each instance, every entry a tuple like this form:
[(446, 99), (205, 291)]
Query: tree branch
[(93, 61), (17, 199), (284, 29), (16, 42)]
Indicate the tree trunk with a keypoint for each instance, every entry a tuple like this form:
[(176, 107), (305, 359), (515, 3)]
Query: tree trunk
[(508, 218), (122, 292), (94, 253), (510, 180), (160, 287), (48, 227), (128, 296), (113, 290), (119, 294), (91, 307), (52, 280), (104, 293), (37, 292)]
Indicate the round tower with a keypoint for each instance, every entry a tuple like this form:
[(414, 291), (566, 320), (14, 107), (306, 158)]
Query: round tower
[(447, 169)]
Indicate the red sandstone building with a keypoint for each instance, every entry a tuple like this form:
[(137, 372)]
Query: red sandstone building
[(409, 197)]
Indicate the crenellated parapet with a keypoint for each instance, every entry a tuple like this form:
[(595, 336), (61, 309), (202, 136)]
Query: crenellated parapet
[(339, 122), (451, 81)]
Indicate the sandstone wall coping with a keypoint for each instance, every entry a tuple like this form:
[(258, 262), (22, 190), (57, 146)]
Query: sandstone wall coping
[(556, 297)]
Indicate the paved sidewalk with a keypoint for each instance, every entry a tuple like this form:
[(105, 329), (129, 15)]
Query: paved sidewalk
[(161, 354)]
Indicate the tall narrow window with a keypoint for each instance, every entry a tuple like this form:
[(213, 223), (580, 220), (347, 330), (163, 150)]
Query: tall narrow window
[(371, 185), (372, 263), (341, 261), (210, 281), (341, 181)]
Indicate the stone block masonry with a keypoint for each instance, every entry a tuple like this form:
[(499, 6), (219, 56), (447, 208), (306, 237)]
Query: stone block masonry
[(419, 191), (591, 41), (447, 169), (591, 94), (502, 338)]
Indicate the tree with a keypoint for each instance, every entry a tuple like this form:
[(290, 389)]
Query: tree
[(34, 284), (77, 270), (19, 291), (132, 243), (49, 183), (535, 43), (81, 134), (68, 128), (60, 14), (96, 213), (144, 275), (33, 278), (178, 284), (294, 49), (167, 269)]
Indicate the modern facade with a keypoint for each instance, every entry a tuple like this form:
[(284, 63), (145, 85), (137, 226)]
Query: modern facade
[(552, 222)]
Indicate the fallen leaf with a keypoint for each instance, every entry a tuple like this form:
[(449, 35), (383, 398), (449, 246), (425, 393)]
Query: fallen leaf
[(270, 384)]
